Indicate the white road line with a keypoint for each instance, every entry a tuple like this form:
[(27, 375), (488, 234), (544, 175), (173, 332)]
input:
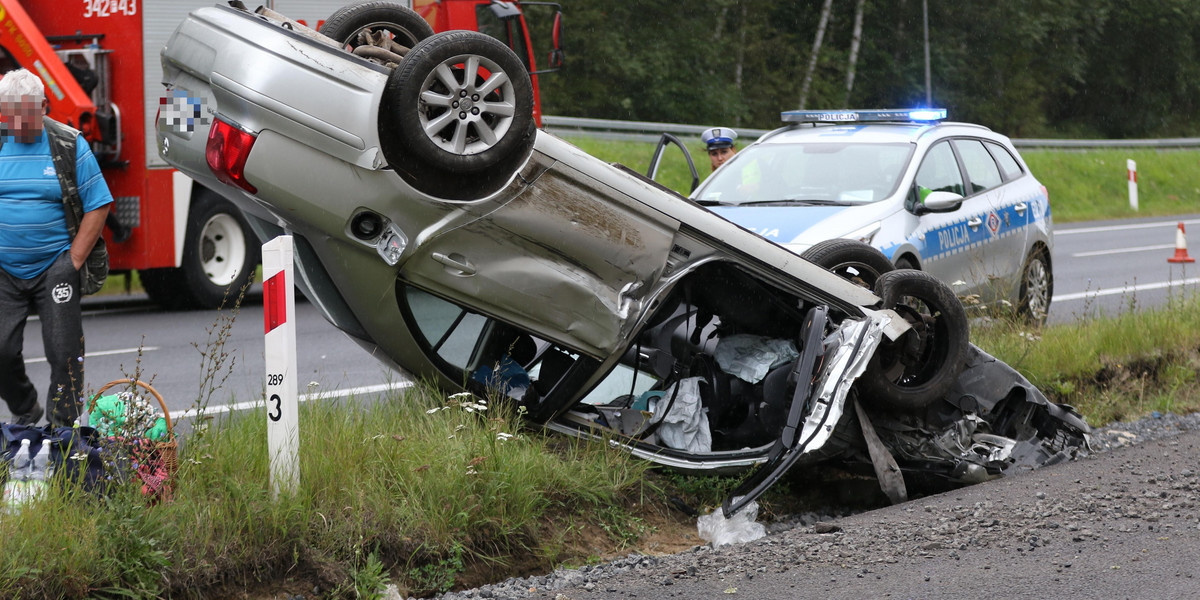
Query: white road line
[(1125, 290), (1123, 250), (1106, 228), (42, 359), (342, 393)]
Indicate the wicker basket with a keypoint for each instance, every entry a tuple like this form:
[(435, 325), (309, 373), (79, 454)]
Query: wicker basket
[(166, 451)]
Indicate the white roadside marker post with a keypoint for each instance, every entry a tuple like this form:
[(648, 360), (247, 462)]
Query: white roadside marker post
[(1131, 167), (279, 326)]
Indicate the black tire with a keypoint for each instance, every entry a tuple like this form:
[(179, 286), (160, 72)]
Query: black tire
[(442, 133), (906, 262), (220, 254), (406, 27), (916, 370), (856, 261), (1037, 288)]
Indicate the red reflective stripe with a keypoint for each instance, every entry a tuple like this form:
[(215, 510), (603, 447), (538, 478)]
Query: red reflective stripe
[(274, 302)]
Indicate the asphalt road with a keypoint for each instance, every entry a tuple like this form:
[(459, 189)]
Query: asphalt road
[(175, 351), (1107, 267)]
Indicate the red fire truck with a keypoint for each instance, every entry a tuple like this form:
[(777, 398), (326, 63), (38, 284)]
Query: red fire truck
[(100, 62)]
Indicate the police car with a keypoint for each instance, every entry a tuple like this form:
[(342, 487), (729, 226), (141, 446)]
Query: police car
[(953, 199)]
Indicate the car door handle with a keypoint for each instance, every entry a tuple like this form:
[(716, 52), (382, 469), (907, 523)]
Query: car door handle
[(455, 262), (1021, 207), (974, 222)]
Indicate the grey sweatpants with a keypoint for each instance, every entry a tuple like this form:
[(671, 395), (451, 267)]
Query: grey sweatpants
[(55, 296)]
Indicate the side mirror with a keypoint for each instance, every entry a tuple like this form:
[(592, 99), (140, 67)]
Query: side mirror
[(557, 55), (505, 10), (940, 202), (556, 52)]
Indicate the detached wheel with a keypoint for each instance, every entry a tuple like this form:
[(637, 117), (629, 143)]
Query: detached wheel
[(916, 370), (460, 104), (220, 254), (385, 25), (1037, 287), (851, 259)]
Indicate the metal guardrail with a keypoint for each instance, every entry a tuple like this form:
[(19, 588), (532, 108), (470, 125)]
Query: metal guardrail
[(645, 131)]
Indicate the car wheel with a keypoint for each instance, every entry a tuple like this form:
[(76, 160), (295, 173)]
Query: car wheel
[(220, 254), (1037, 287), (378, 25), (917, 369), (460, 104), (906, 262), (854, 260)]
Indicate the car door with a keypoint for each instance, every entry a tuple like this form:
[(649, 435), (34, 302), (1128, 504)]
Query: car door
[(569, 258), (949, 242), (1001, 252)]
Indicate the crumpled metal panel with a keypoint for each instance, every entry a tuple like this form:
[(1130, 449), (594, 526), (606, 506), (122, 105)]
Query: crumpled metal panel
[(569, 258), (993, 423)]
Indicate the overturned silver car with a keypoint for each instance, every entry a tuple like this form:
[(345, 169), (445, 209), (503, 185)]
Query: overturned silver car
[(438, 228)]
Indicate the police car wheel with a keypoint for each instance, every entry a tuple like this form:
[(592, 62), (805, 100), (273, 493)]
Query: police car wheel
[(919, 368), (1037, 287), (856, 261), (398, 23), (460, 104)]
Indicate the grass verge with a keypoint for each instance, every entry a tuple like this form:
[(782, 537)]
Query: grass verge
[(1112, 369), (417, 490)]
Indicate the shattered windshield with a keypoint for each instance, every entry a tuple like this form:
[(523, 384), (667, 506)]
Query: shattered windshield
[(808, 174)]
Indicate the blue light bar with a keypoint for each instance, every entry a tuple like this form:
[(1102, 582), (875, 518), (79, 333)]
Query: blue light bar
[(864, 116)]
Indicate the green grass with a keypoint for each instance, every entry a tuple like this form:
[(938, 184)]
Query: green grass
[(1088, 185), (1118, 367), (1084, 185), (388, 491)]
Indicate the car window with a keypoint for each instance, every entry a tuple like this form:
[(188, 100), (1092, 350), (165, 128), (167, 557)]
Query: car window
[(842, 173), (1008, 165), (939, 172), (484, 352), (981, 168)]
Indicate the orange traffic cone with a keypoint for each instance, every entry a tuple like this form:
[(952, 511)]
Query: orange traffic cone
[(1181, 255)]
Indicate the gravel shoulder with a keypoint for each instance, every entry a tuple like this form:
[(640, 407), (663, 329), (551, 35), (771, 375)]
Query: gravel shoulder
[(1122, 523)]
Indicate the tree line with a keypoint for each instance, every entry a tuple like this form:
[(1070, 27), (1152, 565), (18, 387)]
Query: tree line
[(1027, 68)]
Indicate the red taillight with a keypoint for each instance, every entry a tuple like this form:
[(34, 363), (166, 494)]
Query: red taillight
[(226, 152)]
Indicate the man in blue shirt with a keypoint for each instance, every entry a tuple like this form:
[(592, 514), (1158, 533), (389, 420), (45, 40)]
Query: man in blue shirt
[(39, 260)]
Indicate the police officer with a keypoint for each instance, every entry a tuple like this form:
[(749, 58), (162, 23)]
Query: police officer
[(720, 144)]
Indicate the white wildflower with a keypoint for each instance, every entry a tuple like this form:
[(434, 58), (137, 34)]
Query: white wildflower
[(503, 437)]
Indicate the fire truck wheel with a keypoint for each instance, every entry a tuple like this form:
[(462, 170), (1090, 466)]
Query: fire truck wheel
[(457, 114), (917, 369), (401, 24), (220, 254)]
